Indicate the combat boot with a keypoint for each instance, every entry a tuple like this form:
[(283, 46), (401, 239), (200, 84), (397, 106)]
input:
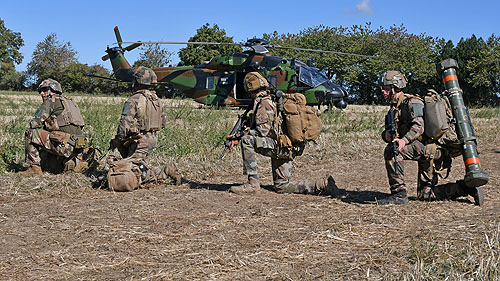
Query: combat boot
[(327, 186), (32, 170), (399, 198), (171, 171), (251, 186)]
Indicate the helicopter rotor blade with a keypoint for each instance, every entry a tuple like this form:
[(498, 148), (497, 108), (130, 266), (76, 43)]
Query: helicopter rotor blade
[(132, 46), (188, 43), (328, 52), (118, 36)]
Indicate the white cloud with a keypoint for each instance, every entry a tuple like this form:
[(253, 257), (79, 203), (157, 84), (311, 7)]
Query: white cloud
[(364, 7)]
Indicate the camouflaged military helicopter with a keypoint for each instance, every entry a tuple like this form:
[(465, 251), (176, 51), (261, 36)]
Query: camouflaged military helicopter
[(220, 80)]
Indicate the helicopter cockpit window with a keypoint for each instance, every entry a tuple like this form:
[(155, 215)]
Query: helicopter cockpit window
[(311, 76)]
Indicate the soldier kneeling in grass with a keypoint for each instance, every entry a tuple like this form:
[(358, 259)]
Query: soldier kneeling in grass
[(55, 140), (142, 118)]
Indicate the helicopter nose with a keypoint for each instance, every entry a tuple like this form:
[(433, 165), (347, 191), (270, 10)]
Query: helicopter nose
[(341, 104), (336, 96)]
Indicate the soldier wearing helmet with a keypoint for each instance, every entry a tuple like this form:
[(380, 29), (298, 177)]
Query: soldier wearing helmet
[(407, 112), (261, 137), (55, 134), (142, 117)]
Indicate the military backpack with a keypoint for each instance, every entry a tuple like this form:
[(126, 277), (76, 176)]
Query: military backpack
[(301, 121), (439, 124)]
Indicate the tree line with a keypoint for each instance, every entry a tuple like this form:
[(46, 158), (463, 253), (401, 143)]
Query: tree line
[(413, 54)]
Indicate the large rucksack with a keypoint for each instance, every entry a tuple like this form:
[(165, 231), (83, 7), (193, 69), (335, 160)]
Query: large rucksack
[(439, 125), (439, 128), (302, 121)]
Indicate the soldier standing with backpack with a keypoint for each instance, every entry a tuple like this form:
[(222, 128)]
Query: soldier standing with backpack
[(407, 141), (261, 136)]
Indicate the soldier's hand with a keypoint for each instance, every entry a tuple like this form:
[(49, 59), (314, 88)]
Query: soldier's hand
[(234, 141), (401, 144)]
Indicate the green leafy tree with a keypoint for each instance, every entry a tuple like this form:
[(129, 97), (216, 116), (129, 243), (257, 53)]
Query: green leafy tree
[(196, 54), (479, 69), (49, 59), (412, 54), (74, 78), (10, 79), (153, 55), (10, 43)]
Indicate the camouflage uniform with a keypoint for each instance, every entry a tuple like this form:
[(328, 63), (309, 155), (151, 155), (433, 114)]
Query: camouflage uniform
[(262, 139), (54, 129), (410, 128), (142, 116)]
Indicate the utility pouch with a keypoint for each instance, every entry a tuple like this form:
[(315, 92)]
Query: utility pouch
[(78, 141), (60, 137), (124, 176)]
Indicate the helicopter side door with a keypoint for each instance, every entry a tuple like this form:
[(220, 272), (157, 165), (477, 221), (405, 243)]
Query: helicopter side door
[(238, 88)]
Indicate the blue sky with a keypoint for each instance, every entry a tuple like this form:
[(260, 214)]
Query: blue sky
[(88, 25)]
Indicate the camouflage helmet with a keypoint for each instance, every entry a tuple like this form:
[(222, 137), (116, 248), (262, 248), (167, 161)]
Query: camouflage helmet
[(393, 78), (52, 84), (255, 81), (144, 76)]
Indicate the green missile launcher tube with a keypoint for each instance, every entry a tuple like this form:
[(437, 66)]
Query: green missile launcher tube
[(474, 175)]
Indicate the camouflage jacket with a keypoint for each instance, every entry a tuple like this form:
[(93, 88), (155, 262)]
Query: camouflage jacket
[(408, 117), (263, 118), (46, 117), (142, 112)]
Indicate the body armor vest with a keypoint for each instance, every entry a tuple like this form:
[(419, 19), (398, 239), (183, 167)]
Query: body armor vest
[(149, 118), (70, 115)]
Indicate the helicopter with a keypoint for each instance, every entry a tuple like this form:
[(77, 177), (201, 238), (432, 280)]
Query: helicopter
[(220, 81)]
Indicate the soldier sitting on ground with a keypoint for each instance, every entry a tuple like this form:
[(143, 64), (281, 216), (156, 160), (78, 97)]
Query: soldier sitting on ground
[(262, 137), (412, 144), (55, 136)]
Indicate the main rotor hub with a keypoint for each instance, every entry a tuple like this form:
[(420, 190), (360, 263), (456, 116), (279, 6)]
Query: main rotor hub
[(258, 45)]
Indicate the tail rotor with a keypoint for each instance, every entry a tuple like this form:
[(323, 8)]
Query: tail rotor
[(120, 48)]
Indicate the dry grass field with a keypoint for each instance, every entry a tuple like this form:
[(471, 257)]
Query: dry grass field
[(57, 227)]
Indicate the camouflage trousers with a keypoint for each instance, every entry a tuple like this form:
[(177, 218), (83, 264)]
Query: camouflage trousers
[(427, 188), (281, 164), (137, 151), (37, 140)]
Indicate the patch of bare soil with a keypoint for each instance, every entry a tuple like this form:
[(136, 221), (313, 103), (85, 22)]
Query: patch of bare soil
[(56, 227)]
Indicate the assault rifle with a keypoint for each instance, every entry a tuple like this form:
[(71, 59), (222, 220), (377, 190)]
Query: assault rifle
[(392, 135), (237, 131)]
